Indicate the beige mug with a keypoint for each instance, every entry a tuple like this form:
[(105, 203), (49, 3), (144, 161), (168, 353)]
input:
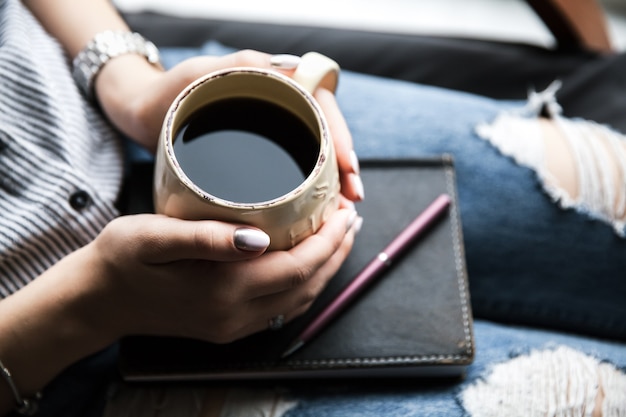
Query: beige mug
[(266, 120)]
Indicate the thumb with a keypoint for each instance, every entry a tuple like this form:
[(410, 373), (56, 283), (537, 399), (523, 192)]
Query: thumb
[(168, 239)]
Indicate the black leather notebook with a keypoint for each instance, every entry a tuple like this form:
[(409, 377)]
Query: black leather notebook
[(415, 320)]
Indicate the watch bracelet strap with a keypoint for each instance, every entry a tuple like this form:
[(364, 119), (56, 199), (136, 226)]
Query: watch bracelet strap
[(102, 48)]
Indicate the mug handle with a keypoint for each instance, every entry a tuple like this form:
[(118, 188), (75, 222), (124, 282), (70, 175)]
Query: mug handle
[(317, 70)]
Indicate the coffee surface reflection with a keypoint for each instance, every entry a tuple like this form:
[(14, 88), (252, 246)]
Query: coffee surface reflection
[(246, 150)]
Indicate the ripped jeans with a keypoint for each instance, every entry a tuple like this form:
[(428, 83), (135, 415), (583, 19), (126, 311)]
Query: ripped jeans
[(530, 260), (518, 372), (547, 267), (535, 255)]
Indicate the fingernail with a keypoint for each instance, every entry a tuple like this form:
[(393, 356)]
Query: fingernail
[(285, 61), (251, 239), (358, 223), (354, 161), (358, 186), (351, 220)]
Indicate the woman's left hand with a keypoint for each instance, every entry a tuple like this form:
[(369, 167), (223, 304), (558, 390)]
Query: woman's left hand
[(136, 95)]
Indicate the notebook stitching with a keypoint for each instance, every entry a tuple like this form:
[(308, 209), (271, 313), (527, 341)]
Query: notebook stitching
[(458, 261)]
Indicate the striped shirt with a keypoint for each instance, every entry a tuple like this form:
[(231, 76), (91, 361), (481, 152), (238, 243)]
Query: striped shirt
[(60, 162)]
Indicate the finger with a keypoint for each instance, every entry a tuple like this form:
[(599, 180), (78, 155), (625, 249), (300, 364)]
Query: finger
[(283, 270), (262, 320), (204, 64), (191, 69), (248, 58), (166, 239), (346, 203), (285, 63), (349, 169), (338, 126), (291, 303)]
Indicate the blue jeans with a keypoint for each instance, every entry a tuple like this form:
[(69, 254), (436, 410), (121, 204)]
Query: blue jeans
[(555, 271), (573, 283), (495, 344), (529, 261)]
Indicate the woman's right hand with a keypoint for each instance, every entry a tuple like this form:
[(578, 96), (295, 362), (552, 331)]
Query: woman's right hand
[(152, 274), (200, 279)]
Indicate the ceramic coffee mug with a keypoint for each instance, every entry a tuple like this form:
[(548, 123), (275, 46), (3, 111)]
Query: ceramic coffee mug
[(251, 146)]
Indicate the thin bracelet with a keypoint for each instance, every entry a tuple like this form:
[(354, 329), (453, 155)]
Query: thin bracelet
[(23, 406)]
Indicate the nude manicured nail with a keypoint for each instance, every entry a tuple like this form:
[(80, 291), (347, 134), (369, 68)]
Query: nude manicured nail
[(358, 223), (285, 61), (358, 186), (351, 220), (354, 162), (355, 222), (251, 239)]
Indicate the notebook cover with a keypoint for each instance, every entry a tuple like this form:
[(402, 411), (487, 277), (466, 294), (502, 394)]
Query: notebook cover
[(415, 320)]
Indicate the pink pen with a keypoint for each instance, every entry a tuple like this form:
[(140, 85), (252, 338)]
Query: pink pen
[(372, 271)]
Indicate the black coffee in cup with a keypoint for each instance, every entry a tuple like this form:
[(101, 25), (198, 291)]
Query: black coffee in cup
[(246, 150)]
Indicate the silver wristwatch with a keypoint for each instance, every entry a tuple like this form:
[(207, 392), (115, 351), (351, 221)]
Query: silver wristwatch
[(104, 46)]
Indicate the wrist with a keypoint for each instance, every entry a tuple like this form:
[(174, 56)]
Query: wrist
[(123, 90), (115, 69), (104, 47), (50, 324), (92, 305)]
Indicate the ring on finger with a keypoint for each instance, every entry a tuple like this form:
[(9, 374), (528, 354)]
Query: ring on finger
[(276, 322)]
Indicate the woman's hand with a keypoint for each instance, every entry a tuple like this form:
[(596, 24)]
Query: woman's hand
[(136, 95), (151, 274), (206, 279), (349, 170)]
